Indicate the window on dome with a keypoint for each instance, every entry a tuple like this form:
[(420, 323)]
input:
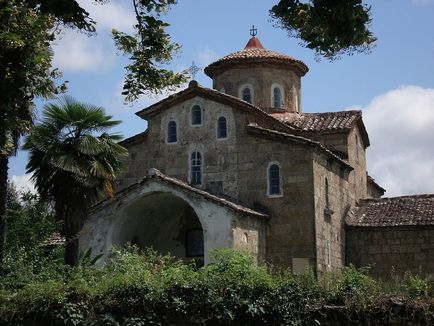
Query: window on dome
[(277, 97), (172, 132), (196, 169), (222, 130), (274, 185), (247, 95), (296, 108), (196, 115)]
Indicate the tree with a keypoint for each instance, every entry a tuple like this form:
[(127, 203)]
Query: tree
[(330, 27), (72, 166), (27, 28)]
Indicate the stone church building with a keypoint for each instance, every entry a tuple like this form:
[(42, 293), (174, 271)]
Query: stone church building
[(242, 166)]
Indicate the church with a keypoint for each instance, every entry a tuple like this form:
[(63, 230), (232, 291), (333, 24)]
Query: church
[(242, 166)]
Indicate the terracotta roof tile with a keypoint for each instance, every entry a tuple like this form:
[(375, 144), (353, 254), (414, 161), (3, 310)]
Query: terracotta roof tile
[(298, 139), (252, 53), (417, 210), (324, 121), (320, 121), (156, 175), (53, 240), (140, 137)]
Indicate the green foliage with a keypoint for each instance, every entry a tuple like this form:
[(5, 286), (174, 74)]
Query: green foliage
[(72, 166), (415, 286), (30, 220), (331, 28), (144, 288), (355, 286), (149, 46)]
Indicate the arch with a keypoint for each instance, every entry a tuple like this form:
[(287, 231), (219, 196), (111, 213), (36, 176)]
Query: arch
[(277, 96), (196, 169), (149, 222), (222, 128), (296, 100), (172, 132), (246, 93), (274, 181), (196, 115)]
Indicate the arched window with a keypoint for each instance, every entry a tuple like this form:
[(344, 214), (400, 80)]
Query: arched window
[(296, 107), (247, 94), (222, 129), (357, 147), (172, 132), (274, 180), (277, 97), (196, 115), (196, 168)]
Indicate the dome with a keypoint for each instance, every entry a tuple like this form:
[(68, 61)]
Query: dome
[(255, 53)]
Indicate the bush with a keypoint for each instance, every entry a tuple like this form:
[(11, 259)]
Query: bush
[(144, 288)]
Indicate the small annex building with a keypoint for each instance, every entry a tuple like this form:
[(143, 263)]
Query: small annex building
[(242, 166)]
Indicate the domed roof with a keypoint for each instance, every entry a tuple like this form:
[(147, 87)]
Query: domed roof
[(255, 53)]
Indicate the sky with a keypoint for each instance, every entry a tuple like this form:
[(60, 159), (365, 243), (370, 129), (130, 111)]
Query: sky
[(393, 85)]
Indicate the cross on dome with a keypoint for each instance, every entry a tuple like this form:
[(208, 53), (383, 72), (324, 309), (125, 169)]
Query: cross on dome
[(253, 31)]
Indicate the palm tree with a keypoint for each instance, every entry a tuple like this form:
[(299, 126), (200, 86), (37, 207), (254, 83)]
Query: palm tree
[(71, 165)]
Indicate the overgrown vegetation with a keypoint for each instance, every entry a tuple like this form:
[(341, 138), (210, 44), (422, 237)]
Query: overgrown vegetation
[(144, 288)]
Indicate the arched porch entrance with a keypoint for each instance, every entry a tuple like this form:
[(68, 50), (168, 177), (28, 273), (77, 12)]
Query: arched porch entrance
[(163, 221)]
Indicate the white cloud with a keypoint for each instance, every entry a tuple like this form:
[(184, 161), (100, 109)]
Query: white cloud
[(114, 14), (400, 126), (23, 183), (78, 52)]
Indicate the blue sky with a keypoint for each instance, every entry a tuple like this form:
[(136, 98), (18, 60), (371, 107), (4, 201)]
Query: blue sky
[(394, 85)]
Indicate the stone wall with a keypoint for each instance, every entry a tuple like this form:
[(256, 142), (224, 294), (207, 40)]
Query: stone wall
[(250, 236), (385, 248), (261, 79), (330, 214), (238, 165)]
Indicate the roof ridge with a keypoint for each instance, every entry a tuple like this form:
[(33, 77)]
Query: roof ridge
[(307, 140)]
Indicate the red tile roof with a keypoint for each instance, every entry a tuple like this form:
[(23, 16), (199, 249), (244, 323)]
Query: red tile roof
[(324, 122), (298, 139), (255, 53), (54, 240), (417, 210), (138, 138), (156, 175), (194, 89)]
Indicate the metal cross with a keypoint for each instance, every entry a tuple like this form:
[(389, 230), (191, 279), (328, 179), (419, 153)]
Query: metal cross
[(193, 70), (253, 31)]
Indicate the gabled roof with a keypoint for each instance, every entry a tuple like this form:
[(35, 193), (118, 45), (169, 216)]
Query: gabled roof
[(254, 53), (157, 176), (372, 181), (138, 138), (194, 89), (325, 122), (417, 210), (297, 139)]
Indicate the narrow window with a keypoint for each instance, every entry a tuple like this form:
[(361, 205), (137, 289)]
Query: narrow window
[(328, 254), (274, 180), (247, 95), (296, 108), (327, 198), (171, 132), (222, 130), (196, 168), (277, 97), (357, 147), (196, 115)]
